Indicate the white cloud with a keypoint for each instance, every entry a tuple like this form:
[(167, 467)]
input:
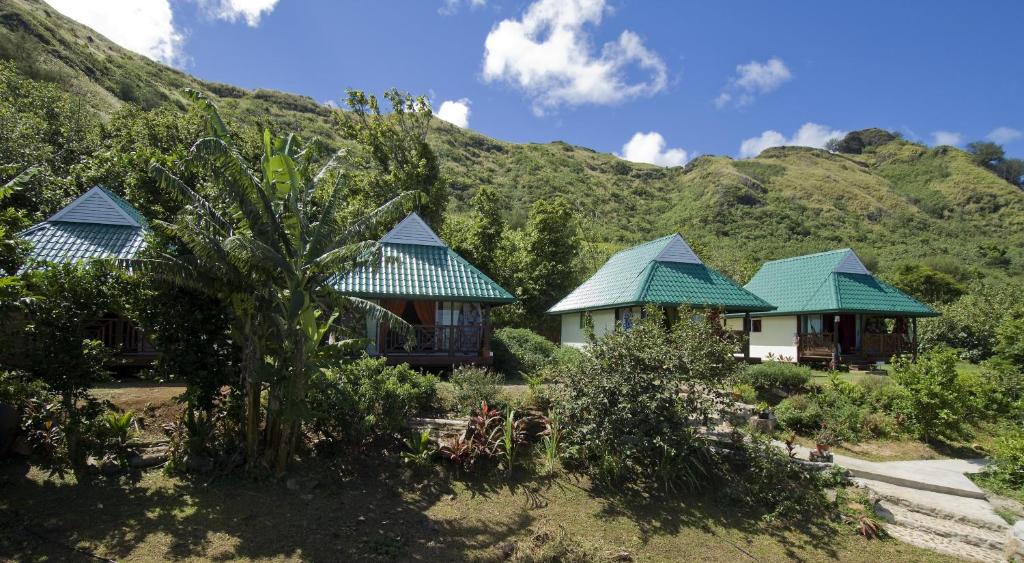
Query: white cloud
[(455, 112), (1003, 135), (143, 26), (947, 138), (451, 7), (809, 135), (650, 148), (751, 79), (548, 55), (231, 10)]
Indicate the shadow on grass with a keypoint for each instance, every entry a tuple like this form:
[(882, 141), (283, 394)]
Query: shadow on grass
[(709, 511), (366, 513)]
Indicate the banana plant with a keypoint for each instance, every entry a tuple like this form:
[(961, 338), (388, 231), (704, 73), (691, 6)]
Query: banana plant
[(274, 254)]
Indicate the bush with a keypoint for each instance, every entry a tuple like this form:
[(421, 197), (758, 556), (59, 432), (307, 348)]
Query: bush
[(1008, 460), (799, 414), (625, 419), (938, 401), (520, 351), (760, 476), (776, 375), (475, 385), (747, 394), (367, 399)]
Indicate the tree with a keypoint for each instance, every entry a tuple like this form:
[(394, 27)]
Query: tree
[(940, 404), (552, 254), (992, 156), (1010, 338), (394, 156), (540, 264), (985, 153), (275, 251), (926, 283), (485, 229)]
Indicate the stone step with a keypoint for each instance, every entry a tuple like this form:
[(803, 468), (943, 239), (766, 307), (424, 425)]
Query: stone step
[(913, 475), (951, 529), (973, 512), (944, 545)]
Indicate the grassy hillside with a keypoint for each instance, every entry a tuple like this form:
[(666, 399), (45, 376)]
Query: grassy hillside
[(896, 202)]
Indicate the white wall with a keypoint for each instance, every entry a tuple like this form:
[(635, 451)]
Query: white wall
[(776, 337), (573, 335)]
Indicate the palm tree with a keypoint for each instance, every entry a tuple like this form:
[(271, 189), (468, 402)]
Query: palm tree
[(272, 256)]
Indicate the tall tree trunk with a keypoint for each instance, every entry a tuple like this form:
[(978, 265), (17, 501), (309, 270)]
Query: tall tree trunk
[(250, 359), (295, 401)]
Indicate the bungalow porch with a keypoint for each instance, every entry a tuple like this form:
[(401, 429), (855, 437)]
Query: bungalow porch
[(855, 338)]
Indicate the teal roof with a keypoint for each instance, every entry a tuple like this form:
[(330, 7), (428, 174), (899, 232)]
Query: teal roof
[(98, 224), (422, 267), (830, 282), (70, 242), (665, 271)]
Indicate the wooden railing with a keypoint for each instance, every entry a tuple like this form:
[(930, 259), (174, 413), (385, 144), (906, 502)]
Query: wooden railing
[(885, 345), (817, 344), (465, 340), (122, 336)]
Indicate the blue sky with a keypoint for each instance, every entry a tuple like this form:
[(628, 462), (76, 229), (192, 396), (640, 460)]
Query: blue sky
[(689, 78)]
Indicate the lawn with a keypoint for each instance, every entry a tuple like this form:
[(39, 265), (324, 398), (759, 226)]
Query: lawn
[(372, 513), (333, 509)]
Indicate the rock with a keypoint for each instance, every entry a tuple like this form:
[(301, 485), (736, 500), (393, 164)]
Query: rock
[(147, 459), (762, 425), (199, 463), (507, 550), (622, 556), (1015, 542)]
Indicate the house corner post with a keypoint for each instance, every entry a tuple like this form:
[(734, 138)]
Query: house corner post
[(748, 327)]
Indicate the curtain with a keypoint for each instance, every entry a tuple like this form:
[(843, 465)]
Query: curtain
[(394, 306), (426, 311)]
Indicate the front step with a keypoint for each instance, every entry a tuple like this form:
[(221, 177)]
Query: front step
[(977, 513), (951, 529), (944, 545)]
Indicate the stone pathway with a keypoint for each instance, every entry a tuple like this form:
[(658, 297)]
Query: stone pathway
[(931, 504)]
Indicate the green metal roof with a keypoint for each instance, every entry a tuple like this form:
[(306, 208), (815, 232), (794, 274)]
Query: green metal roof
[(56, 241), (125, 206), (97, 224), (664, 272), (427, 270), (830, 282)]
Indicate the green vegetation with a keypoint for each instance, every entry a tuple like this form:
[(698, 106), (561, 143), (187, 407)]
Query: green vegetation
[(520, 351), (776, 375)]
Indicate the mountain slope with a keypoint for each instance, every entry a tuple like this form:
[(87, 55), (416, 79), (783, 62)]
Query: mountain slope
[(895, 202)]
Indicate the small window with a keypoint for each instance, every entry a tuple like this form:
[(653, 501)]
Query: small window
[(584, 316), (755, 325)]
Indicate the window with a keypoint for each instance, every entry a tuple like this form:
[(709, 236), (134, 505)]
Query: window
[(755, 325), (812, 324), (584, 317)]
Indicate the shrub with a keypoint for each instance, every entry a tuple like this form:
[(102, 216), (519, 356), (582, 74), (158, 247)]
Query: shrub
[(879, 425), (747, 394), (761, 476), (776, 375), (937, 400), (1008, 460), (799, 413), (624, 418), (475, 385), (367, 399), (519, 351)]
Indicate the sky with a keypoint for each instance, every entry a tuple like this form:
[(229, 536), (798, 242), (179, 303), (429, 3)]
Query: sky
[(655, 81)]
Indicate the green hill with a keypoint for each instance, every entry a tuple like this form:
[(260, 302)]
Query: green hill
[(895, 202)]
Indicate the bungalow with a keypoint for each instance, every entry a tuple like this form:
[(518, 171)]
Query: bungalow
[(829, 305), (664, 272), (445, 299), (98, 224)]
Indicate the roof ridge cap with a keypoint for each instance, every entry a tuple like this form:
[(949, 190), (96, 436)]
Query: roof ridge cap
[(812, 255)]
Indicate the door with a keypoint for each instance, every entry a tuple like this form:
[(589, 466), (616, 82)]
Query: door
[(848, 333)]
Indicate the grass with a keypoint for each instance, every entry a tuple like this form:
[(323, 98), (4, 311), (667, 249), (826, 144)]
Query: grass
[(370, 514)]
